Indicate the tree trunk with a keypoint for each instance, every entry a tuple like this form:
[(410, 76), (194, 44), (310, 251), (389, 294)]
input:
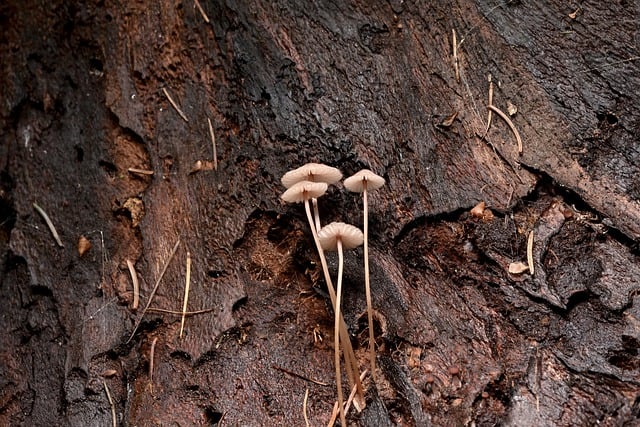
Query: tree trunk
[(90, 91)]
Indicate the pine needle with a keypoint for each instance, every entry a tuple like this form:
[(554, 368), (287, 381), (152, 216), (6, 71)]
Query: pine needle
[(174, 105), (304, 408), (155, 288), (186, 292), (114, 420), (530, 252), (511, 125), (213, 143), (334, 414), (204, 15), (46, 218), (136, 286)]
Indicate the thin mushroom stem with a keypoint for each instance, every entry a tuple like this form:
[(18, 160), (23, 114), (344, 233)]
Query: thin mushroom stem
[(367, 286), (337, 337), (316, 213), (350, 362)]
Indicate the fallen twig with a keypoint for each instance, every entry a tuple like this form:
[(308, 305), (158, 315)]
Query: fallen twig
[(173, 103), (136, 286), (213, 143), (186, 292), (204, 15), (511, 125), (46, 218), (302, 377), (155, 288), (114, 420)]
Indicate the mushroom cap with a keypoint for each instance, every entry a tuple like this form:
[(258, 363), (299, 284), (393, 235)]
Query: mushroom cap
[(315, 172), (349, 235), (356, 182), (304, 190)]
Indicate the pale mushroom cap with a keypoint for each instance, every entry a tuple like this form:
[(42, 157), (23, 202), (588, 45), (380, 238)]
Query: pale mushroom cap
[(315, 172), (356, 182), (350, 236), (304, 190)]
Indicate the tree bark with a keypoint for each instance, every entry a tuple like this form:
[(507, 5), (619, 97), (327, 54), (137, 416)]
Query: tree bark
[(91, 91)]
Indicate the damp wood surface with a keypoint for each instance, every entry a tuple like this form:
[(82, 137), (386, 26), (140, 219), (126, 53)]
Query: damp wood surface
[(92, 93)]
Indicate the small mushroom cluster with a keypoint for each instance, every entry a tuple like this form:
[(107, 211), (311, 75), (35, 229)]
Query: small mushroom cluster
[(306, 184)]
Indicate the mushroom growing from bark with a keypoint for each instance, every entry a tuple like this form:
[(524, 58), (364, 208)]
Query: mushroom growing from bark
[(362, 182), (304, 191), (336, 237), (314, 172)]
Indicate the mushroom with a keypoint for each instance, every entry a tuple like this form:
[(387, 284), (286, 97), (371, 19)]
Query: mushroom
[(304, 191), (339, 236), (362, 182), (314, 172)]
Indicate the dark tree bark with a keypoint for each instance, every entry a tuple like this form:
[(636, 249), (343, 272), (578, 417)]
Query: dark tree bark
[(461, 341)]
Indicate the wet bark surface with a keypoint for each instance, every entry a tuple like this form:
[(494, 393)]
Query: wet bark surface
[(460, 340)]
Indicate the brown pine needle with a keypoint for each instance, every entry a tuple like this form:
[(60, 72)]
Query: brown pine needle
[(114, 420), (186, 292), (489, 113), (180, 313), (46, 218), (302, 377), (334, 414), (213, 143), (204, 15), (456, 66), (304, 408), (174, 105), (136, 286), (140, 171), (511, 125), (530, 252), (155, 288), (152, 352)]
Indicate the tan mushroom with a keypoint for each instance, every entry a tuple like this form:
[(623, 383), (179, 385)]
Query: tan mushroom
[(304, 191), (314, 172), (362, 182), (336, 237)]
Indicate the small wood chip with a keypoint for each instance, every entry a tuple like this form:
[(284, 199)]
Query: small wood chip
[(108, 373), (518, 267), (511, 125), (46, 218), (449, 120), (136, 286), (511, 109), (574, 14), (174, 105), (478, 210), (83, 245), (530, 252)]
